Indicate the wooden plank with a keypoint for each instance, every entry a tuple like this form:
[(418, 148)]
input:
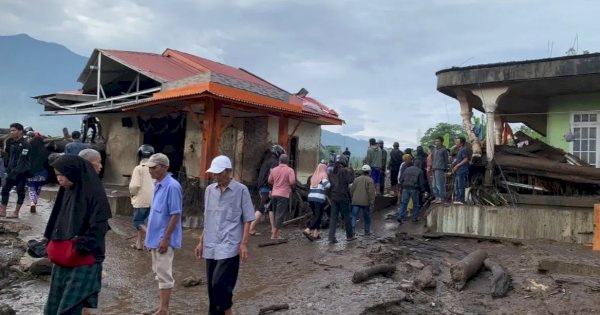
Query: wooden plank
[(560, 201), (596, 241)]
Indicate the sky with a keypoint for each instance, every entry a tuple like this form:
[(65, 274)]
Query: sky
[(372, 61)]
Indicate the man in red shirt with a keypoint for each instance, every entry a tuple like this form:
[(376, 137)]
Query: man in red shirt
[(282, 178)]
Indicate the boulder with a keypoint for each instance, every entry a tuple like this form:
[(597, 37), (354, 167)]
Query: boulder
[(42, 266)]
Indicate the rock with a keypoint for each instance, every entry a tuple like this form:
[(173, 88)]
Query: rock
[(42, 266), (425, 279), (192, 281), (415, 264), (5, 309)]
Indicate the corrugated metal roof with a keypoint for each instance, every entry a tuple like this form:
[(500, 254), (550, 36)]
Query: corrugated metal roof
[(155, 65)]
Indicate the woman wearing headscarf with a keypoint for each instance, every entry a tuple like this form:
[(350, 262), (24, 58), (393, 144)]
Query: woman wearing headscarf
[(78, 222), (319, 183), (340, 179), (38, 170)]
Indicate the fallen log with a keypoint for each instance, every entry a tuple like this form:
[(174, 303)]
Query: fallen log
[(522, 162), (561, 267), (273, 243), (501, 281), (273, 308), (367, 273), (542, 173), (515, 151), (494, 239), (294, 220), (463, 270)]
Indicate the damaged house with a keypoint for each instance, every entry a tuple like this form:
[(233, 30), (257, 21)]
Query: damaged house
[(544, 188), (191, 109)]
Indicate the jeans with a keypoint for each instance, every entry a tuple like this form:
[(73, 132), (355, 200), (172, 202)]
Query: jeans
[(366, 214), (439, 184), (460, 183), (408, 194), (344, 209)]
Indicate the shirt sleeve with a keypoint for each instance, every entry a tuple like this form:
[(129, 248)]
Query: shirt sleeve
[(292, 177), (174, 200), (136, 182), (247, 206)]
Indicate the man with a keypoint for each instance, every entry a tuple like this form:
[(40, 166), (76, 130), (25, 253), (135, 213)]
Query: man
[(374, 159), (17, 157), (90, 122), (363, 198), (460, 168), (412, 180), (383, 165), (347, 153), (163, 233), (394, 166), (93, 157), (264, 206), (76, 146), (141, 187), (282, 178), (439, 164), (228, 211)]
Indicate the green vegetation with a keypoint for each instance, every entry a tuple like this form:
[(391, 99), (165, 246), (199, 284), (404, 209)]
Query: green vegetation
[(440, 130)]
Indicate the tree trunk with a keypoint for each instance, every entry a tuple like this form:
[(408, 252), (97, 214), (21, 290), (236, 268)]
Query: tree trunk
[(273, 308), (466, 268), (368, 273), (501, 281), (521, 162)]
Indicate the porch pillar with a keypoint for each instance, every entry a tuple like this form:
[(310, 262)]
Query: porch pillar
[(283, 138), (211, 133), (489, 98), (499, 126), (466, 111)]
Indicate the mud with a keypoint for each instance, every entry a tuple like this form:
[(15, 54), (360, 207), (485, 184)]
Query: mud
[(316, 278)]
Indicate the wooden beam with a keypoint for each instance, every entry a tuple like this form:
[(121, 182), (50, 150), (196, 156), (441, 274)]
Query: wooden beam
[(596, 242), (300, 120), (228, 121), (208, 130), (195, 118), (283, 138)]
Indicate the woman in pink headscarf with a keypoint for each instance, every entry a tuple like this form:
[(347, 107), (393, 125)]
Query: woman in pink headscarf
[(317, 199)]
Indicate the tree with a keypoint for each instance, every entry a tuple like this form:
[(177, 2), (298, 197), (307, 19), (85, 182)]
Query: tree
[(530, 132), (439, 131)]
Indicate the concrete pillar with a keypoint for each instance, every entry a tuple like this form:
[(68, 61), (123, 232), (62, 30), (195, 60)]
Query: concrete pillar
[(466, 111), (499, 127), (489, 98)]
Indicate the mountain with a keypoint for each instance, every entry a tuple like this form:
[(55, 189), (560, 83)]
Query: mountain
[(357, 147), (30, 67)]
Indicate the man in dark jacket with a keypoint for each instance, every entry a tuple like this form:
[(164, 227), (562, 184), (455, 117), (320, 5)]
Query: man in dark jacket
[(383, 167), (439, 164), (412, 181), (17, 160), (270, 161), (394, 166)]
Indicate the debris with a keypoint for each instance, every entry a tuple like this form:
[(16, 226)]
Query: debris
[(42, 266), (273, 243), (192, 281), (501, 281), (367, 273), (555, 266), (5, 309), (415, 264), (273, 308), (463, 270), (534, 286), (425, 279), (300, 218), (495, 239)]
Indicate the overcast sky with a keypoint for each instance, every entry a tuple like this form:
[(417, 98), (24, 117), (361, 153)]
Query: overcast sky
[(372, 61)]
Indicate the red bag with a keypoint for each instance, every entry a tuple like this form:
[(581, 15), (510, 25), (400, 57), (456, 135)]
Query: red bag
[(63, 253)]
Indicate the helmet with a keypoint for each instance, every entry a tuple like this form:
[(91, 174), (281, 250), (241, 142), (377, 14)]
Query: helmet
[(342, 160), (366, 168), (145, 151), (278, 150)]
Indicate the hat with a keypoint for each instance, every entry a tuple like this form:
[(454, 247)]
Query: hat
[(219, 164), (366, 168), (157, 159)]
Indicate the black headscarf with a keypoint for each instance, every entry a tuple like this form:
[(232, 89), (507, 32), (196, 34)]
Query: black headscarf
[(81, 211), (39, 156)]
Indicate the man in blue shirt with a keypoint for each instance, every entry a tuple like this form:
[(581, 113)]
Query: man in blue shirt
[(76, 146), (163, 233), (460, 168), (228, 212)]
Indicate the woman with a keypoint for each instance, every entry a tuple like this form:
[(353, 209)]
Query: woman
[(38, 170), (340, 179), (80, 217), (319, 183)]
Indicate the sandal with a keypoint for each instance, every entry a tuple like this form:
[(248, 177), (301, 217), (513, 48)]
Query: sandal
[(135, 247), (308, 236), (255, 233)]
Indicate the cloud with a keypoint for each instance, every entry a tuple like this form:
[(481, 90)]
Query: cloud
[(373, 63)]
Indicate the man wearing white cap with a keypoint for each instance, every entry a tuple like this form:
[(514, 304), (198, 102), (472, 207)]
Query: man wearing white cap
[(228, 212), (163, 233)]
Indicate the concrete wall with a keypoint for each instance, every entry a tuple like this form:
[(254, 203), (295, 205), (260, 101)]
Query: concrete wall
[(193, 146), (121, 147), (559, 117), (255, 143), (309, 142), (559, 224)]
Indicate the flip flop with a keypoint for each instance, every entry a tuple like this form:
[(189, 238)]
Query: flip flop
[(308, 236), (255, 233), (135, 247)]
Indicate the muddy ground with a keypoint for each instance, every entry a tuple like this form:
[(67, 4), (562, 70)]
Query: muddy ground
[(315, 277)]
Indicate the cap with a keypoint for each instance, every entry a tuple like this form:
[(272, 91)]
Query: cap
[(219, 164), (366, 168), (157, 159)]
